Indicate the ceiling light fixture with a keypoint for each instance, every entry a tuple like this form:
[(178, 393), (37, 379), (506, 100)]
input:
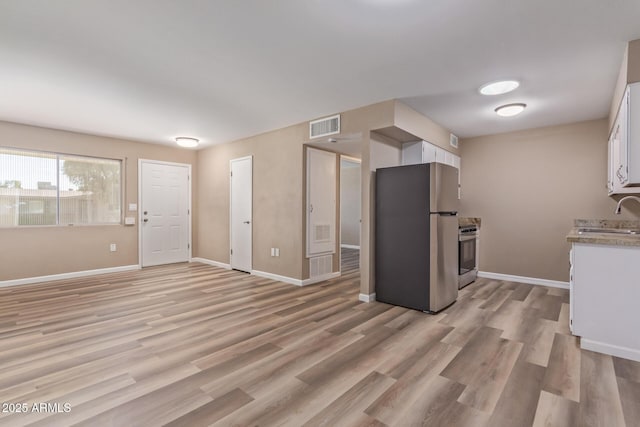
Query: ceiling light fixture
[(187, 142), (498, 88), (510, 110)]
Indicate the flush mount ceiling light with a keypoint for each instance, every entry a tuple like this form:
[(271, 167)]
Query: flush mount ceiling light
[(498, 88), (510, 110), (187, 142)]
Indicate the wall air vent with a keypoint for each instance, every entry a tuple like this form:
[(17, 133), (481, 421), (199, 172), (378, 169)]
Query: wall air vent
[(453, 140), (322, 232), (324, 127), (320, 265)]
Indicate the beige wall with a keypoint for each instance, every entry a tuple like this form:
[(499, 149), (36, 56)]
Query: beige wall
[(39, 251), (279, 193), (350, 203), (277, 199), (278, 196), (361, 121), (421, 126), (528, 187)]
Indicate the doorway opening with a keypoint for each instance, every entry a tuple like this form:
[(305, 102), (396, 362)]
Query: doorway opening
[(350, 213)]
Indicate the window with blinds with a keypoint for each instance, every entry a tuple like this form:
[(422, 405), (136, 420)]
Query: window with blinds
[(40, 188)]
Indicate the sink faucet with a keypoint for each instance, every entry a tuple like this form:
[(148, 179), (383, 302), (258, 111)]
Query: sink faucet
[(619, 207)]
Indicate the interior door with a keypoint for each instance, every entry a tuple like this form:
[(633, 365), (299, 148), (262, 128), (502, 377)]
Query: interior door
[(321, 202), (165, 212), (241, 213)]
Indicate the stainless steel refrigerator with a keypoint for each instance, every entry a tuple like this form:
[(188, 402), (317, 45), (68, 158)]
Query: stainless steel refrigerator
[(416, 236)]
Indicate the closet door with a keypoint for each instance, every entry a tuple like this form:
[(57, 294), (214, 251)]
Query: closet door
[(321, 202)]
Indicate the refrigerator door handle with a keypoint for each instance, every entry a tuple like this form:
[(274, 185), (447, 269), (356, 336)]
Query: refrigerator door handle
[(446, 213)]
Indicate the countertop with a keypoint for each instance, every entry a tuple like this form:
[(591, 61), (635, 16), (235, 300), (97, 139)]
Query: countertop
[(604, 238), (464, 221)]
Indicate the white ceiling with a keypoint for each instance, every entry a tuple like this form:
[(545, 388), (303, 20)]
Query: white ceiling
[(151, 70)]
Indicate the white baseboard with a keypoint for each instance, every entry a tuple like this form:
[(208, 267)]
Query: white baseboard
[(523, 279), (272, 276), (297, 282), (321, 278), (350, 246), (211, 262), (610, 349), (367, 298), (63, 276), (285, 279)]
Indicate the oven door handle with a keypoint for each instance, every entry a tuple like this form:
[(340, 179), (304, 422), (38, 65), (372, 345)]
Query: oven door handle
[(466, 238)]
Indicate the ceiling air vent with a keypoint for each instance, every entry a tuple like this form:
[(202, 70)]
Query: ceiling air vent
[(324, 127), (453, 140)]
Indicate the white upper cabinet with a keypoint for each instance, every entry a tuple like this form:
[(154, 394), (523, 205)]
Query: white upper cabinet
[(424, 152), (624, 145)]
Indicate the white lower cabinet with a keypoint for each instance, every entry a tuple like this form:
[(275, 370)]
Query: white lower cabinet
[(605, 292)]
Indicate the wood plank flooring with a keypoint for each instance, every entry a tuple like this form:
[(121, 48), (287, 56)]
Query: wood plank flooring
[(192, 345)]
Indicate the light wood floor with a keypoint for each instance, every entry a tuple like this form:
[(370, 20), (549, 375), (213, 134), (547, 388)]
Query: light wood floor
[(191, 345)]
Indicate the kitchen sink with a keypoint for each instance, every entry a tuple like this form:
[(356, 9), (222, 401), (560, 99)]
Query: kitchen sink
[(586, 230)]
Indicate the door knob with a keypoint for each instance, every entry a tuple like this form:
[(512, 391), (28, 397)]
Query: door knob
[(247, 222), (146, 219), (145, 212)]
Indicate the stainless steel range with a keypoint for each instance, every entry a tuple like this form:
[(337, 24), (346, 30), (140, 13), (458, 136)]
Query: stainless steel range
[(467, 252)]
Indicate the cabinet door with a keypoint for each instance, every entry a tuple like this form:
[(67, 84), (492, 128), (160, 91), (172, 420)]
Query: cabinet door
[(440, 155), (618, 154), (456, 161), (429, 153), (412, 153), (620, 137), (631, 126), (604, 298), (571, 289), (610, 167)]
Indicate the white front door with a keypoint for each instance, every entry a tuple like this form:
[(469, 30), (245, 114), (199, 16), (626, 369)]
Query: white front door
[(241, 213), (164, 213)]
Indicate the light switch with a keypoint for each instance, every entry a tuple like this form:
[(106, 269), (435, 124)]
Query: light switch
[(133, 207)]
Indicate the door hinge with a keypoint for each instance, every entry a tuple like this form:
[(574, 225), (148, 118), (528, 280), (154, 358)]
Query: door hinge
[(188, 177), (231, 173), (188, 211), (231, 251), (188, 245)]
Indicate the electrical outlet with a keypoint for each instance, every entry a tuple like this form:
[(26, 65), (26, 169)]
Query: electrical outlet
[(112, 247), (277, 251), (273, 251)]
